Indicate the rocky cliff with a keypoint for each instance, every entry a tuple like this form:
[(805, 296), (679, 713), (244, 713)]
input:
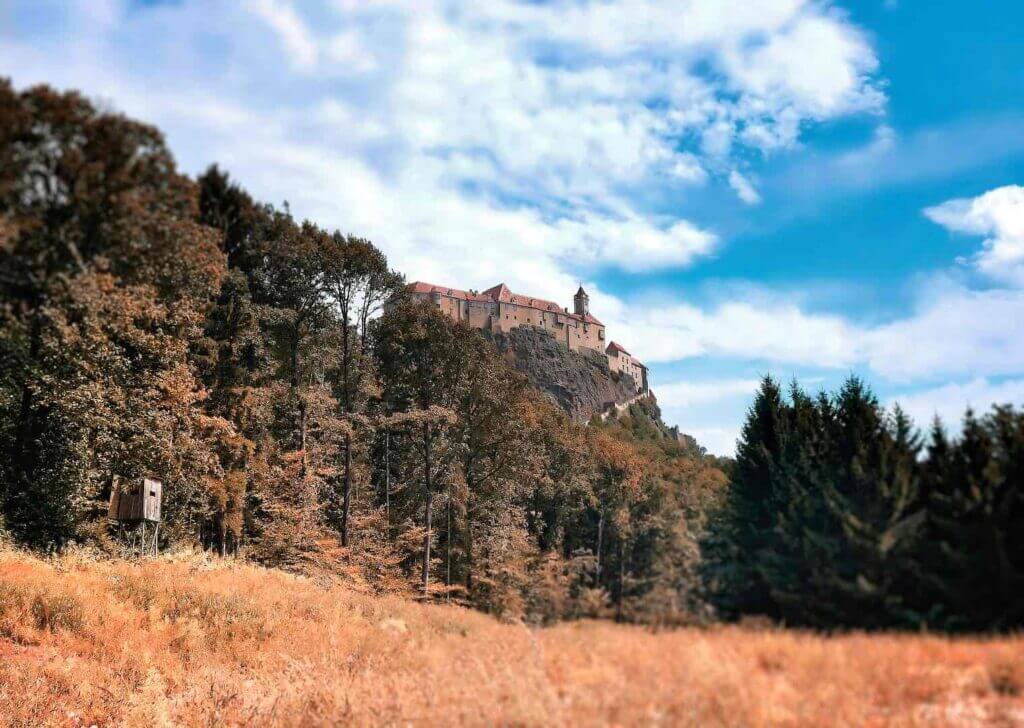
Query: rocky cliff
[(579, 382)]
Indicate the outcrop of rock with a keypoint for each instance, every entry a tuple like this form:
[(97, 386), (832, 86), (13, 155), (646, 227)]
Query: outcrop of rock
[(579, 382)]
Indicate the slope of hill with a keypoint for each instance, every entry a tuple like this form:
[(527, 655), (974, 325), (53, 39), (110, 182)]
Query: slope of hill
[(187, 641)]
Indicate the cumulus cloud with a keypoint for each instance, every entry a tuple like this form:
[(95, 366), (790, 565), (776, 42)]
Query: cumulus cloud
[(774, 330), (997, 214), (816, 66), (691, 393), (480, 142), (743, 188), (296, 38), (952, 332), (950, 401), (716, 440)]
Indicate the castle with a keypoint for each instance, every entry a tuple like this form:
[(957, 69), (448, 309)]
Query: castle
[(499, 310)]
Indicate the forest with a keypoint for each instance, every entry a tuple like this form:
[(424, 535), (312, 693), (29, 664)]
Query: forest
[(302, 413)]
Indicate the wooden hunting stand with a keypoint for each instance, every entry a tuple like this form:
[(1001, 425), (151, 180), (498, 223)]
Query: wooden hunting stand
[(135, 505)]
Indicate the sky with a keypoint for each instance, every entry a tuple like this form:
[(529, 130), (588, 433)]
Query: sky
[(806, 189)]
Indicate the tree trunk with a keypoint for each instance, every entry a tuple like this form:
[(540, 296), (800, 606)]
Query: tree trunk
[(469, 550), (302, 436), (346, 357), (468, 540), (429, 502), (448, 544), (300, 426), (347, 504), (387, 480), (622, 578), (600, 538), (24, 428)]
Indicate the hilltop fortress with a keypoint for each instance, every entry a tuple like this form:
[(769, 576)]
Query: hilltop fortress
[(499, 310)]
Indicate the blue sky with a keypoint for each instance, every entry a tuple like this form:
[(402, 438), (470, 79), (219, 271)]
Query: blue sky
[(806, 189)]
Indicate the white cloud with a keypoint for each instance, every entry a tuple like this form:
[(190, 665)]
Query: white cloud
[(773, 330), (348, 50), (950, 401), (998, 214), (691, 393), (816, 65), (743, 188), (290, 29), (446, 133), (954, 332), (716, 440), (688, 169), (479, 142)]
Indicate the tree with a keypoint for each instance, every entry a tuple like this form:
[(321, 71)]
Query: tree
[(971, 566), (865, 518), (742, 539), (357, 281), (824, 513), (100, 215), (423, 359)]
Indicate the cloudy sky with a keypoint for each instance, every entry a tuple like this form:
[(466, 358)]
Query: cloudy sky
[(806, 189)]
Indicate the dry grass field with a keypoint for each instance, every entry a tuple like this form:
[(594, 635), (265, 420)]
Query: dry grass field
[(186, 641)]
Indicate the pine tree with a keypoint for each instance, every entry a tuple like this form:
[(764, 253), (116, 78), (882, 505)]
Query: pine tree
[(973, 562), (739, 550)]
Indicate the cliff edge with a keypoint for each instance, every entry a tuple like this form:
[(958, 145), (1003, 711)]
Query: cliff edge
[(579, 382)]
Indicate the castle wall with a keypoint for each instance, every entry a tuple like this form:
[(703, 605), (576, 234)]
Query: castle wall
[(624, 363), (503, 316), (616, 362), (479, 314)]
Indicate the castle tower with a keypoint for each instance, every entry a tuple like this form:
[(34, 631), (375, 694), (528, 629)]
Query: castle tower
[(581, 302)]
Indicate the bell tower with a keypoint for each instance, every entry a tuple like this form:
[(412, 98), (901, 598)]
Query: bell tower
[(581, 302)]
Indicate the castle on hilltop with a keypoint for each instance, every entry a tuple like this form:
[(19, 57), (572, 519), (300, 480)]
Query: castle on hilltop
[(499, 310)]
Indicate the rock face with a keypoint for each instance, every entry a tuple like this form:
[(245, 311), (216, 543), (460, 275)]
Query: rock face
[(579, 382)]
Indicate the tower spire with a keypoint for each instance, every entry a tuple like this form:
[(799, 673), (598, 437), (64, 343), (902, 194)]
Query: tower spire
[(581, 302)]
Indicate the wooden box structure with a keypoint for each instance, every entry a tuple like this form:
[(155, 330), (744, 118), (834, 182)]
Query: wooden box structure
[(134, 500), (135, 505)]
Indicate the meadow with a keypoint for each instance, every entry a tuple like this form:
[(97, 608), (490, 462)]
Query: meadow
[(188, 640)]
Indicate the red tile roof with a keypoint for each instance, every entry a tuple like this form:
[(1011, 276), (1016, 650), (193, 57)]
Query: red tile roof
[(421, 287), (501, 293), (615, 347)]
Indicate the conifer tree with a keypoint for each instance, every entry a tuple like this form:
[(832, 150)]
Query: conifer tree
[(972, 564), (739, 548)]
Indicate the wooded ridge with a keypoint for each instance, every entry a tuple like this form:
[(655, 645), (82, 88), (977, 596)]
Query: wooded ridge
[(155, 325)]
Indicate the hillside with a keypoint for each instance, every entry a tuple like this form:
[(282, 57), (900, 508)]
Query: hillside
[(189, 641)]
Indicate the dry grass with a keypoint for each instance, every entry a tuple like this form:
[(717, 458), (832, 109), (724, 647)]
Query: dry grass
[(183, 641)]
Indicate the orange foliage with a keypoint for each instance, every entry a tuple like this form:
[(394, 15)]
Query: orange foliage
[(183, 640)]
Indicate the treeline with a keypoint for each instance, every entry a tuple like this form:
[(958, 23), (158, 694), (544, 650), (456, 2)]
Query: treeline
[(298, 409), (839, 514), (302, 412)]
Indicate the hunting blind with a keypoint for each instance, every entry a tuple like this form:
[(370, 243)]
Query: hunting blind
[(135, 505)]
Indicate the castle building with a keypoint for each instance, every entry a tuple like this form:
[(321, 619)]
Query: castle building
[(499, 310), (620, 360)]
